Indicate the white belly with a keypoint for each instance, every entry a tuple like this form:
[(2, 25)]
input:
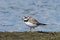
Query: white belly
[(30, 24)]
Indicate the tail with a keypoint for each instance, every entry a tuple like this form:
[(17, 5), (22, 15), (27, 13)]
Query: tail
[(42, 24)]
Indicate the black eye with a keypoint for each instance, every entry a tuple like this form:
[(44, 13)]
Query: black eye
[(25, 17)]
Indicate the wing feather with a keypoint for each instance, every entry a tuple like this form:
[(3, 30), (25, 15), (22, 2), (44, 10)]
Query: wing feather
[(32, 20)]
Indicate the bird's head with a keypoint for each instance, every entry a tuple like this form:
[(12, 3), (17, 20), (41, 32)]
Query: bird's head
[(26, 18)]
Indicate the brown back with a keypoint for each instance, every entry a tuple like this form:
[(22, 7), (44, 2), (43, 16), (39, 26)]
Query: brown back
[(32, 20)]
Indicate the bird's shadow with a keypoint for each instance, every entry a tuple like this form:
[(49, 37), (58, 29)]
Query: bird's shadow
[(41, 32)]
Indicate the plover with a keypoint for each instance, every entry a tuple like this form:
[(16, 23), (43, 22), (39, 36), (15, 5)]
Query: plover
[(31, 22)]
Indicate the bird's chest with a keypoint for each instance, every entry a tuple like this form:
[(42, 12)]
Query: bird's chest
[(30, 24)]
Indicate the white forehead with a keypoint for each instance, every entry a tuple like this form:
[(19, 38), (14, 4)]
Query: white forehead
[(26, 16)]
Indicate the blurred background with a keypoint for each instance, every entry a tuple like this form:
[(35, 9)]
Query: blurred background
[(45, 11)]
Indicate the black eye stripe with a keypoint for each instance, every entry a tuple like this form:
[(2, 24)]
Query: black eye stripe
[(25, 20), (25, 17)]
